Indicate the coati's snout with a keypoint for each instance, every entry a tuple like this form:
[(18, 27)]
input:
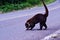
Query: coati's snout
[(27, 25)]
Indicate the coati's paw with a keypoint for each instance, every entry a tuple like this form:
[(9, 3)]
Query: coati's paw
[(45, 29), (40, 29), (29, 29)]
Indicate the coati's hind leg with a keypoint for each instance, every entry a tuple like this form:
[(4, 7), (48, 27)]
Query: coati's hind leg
[(41, 26), (45, 26)]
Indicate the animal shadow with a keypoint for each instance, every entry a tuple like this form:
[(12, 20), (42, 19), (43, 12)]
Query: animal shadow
[(35, 30)]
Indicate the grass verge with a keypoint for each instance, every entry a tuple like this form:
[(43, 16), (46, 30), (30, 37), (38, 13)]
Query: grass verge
[(30, 3)]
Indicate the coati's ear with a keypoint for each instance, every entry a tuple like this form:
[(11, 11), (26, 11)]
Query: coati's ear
[(28, 23)]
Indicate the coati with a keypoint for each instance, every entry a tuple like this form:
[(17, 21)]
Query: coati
[(38, 18)]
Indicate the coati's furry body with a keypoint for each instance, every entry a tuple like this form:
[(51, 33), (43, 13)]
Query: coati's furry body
[(38, 18)]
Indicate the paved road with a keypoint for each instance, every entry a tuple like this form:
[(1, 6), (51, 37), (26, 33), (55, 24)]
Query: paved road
[(14, 28)]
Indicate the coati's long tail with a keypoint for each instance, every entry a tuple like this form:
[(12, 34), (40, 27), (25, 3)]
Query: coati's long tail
[(46, 9)]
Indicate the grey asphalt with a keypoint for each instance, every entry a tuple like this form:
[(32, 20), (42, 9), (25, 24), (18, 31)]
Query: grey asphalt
[(14, 28)]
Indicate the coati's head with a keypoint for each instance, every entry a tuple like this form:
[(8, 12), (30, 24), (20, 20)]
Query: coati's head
[(29, 25)]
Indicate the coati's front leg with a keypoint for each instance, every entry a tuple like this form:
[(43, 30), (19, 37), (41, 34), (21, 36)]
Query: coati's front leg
[(32, 26)]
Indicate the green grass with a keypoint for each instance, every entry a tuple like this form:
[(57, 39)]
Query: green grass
[(10, 7)]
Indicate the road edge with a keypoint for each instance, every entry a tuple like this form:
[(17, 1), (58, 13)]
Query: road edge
[(52, 36)]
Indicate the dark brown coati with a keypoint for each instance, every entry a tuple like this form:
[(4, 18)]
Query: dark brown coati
[(38, 18)]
